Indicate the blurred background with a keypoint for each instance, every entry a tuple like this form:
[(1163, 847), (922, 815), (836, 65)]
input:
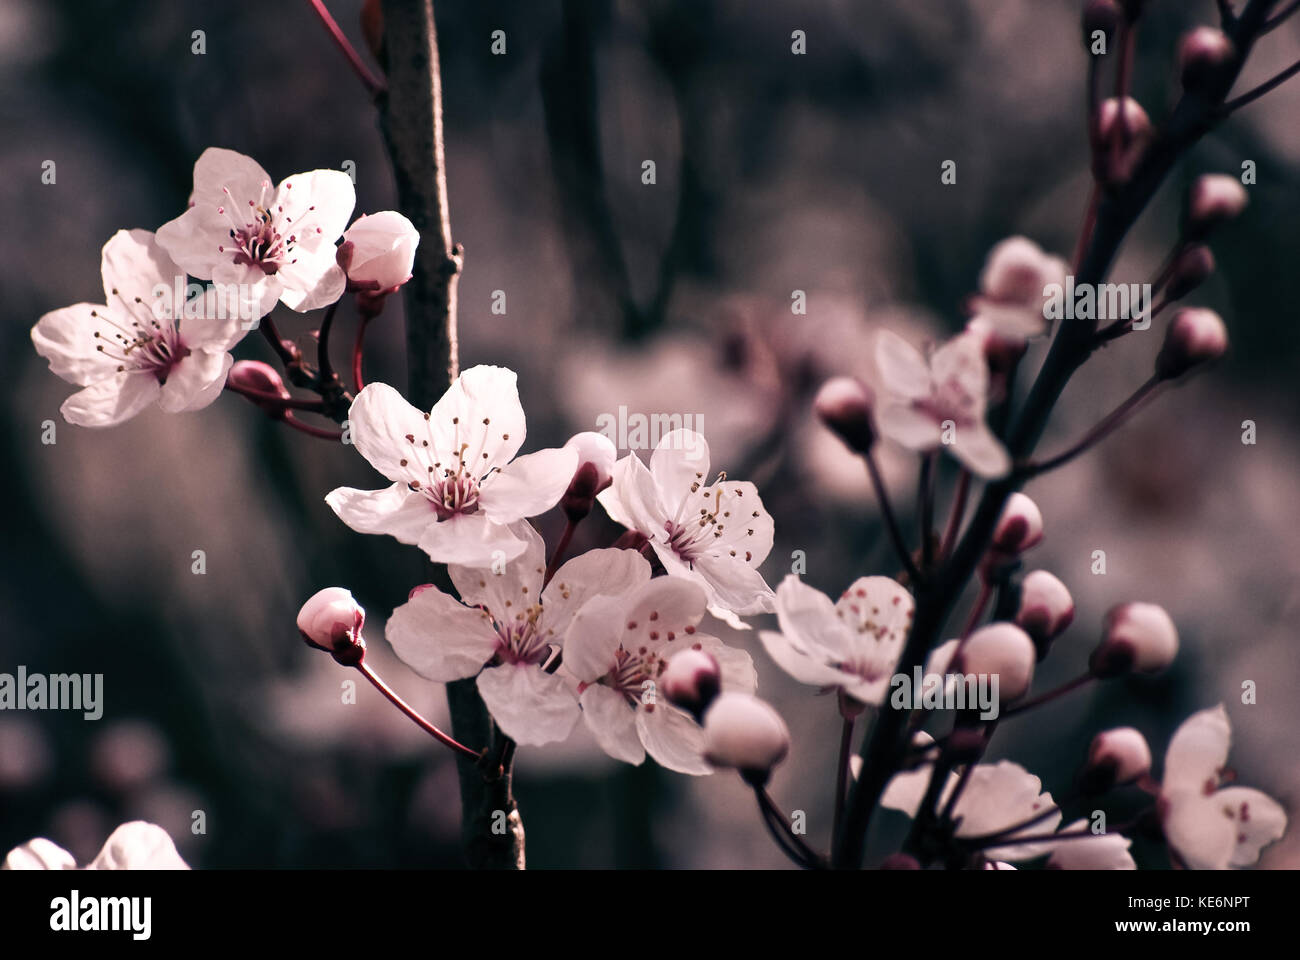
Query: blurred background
[(775, 172)]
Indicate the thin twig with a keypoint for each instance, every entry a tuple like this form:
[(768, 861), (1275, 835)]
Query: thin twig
[(372, 83)]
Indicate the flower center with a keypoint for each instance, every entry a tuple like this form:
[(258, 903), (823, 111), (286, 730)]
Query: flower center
[(522, 640), (266, 241), (631, 671), (141, 344)]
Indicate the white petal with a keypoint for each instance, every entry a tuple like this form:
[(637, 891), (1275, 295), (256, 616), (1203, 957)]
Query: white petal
[(528, 486), (471, 540), (735, 664), (612, 721), (960, 362), (440, 638), (1198, 831), (672, 738), (112, 401), (660, 611), (481, 393), (1258, 817), (604, 572), (380, 421), (1105, 851), (809, 621), (531, 706), (877, 612), (330, 196), (195, 382), (138, 846), (517, 581), (902, 368), (66, 338), (680, 459), (633, 498), (312, 281), (133, 265), (798, 663), (981, 451), (39, 854), (193, 238), (395, 511), (732, 583), (1198, 752), (906, 425), (1000, 795), (593, 638)]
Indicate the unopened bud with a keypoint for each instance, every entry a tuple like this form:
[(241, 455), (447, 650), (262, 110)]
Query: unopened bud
[(1122, 137), (844, 405), (1046, 609), (1135, 120), (691, 680), (1116, 757), (1192, 267), (1213, 199), (1103, 15), (1136, 636), (261, 378), (596, 456), (1203, 55), (1020, 526), (378, 251), (1002, 650), (331, 621), (1194, 336), (745, 733)]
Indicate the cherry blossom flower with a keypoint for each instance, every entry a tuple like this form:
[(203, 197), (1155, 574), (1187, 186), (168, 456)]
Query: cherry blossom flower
[(507, 634), (457, 485), (852, 644), (1013, 288), (1208, 826), (996, 797), (132, 846), (241, 229), (618, 648), (744, 733), (139, 346), (715, 535), (939, 402)]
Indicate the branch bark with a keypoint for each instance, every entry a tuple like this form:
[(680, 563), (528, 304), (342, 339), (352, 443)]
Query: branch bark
[(410, 113)]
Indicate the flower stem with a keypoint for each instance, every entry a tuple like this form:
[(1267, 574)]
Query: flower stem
[(412, 713), (1050, 695), (358, 350), (891, 521), (1104, 428), (560, 549), (311, 431), (779, 827), (372, 83), (285, 403), (955, 515), (842, 773), (323, 344)]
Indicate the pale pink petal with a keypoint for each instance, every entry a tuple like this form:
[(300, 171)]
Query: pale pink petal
[(395, 511), (1105, 851), (66, 338), (138, 846), (482, 393), (798, 663), (604, 572), (679, 461), (733, 584), (810, 622), (612, 721), (904, 424), (593, 638), (633, 498), (316, 206), (1259, 820), (132, 264), (195, 382), (111, 401), (672, 738), (510, 586), (528, 486), (532, 707), (1197, 830), (440, 638), (902, 368), (1198, 751), (312, 281), (471, 540), (42, 854), (981, 451), (380, 421)]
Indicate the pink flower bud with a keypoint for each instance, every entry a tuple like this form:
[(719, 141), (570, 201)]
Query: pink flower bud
[(744, 732), (844, 405), (1046, 609), (691, 680), (1213, 199), (1192, 268), (1135, 636), (1135, 119), (1194, 336), (1203, 55), (418, 589), (1019, 528), (261, 377), (1116, 756), (596, 456), (382, 250), (1002, 650), (331, 621), (900, 861)]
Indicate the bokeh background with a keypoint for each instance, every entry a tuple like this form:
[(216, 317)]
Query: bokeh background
[(775, 172)]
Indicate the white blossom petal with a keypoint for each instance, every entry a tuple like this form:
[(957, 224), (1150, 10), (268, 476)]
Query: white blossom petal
[(440, 638), (531, 706), (395, 511), (529, 485), (612, 721)]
